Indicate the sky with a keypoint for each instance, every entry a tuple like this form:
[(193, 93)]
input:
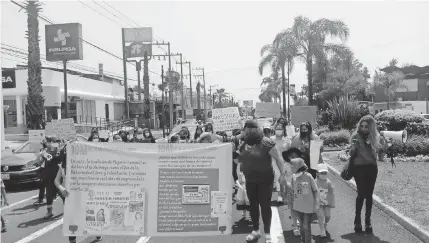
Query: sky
[(225, 37)]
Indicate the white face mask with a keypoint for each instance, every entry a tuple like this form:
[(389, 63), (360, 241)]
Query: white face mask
[(140, 136), (229, 133), (279, 132), (323, 177), (95, 140)]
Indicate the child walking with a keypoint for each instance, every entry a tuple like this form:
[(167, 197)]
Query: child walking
[(60, 181), (306, 199), (5, 203), (241, 199), (327, 198)]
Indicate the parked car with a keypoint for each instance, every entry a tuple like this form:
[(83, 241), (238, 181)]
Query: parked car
[(22, 165), (426, 118)]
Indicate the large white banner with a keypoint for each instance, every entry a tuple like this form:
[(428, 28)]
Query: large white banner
[(267, 109), (225, 119), (148, 189)]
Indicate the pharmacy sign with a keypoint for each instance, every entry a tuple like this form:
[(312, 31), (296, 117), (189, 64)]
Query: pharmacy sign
[(63, 42)]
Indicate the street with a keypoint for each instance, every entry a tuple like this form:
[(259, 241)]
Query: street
[(25, 224)]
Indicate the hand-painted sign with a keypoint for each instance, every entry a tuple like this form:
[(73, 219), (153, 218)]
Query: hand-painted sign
[(63, 42)]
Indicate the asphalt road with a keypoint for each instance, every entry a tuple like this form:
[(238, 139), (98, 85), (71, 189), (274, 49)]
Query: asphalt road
[(25, 223)]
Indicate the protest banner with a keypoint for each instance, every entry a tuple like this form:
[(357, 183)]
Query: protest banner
[(148, 189), (315, 146), (300, 114), (290, 130), (64, 129), (225, 119), (267, 109)]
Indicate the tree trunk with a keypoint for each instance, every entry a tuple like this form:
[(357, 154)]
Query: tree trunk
[(310, 79), (35, 110), (284, 90), (146, 87), (198, 100)]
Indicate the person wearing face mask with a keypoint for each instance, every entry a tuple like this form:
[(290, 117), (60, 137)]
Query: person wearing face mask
[(117, 138), (198, 132), (302, 141), (147, 136), (255, 160), (130, 137), (327, 198), (208, 128), (53, 157), (365, 142), (94, 137), (184, 135), (283, 143)]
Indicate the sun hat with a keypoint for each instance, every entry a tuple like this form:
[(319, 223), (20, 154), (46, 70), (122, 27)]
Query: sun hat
[(322, 168)]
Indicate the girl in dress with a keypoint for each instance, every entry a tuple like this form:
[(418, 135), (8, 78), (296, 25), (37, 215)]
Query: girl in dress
[(241, 199), (283, 143)]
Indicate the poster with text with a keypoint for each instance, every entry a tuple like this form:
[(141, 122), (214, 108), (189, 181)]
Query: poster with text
[(148, 189), (226, 119), (300, 114), (267, 109), (315, 146), (64, 129)]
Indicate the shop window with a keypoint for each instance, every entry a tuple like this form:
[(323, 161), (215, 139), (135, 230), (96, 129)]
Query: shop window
[(11, 115)]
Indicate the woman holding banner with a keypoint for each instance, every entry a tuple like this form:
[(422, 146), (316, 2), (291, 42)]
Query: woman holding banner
[(302, 142), (255, 160), (363, 154)]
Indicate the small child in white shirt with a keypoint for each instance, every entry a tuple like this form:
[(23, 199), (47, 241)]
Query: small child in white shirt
[(327, 198), (241, 199)]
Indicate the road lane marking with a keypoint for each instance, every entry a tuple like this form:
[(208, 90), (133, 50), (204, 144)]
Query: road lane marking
[(17, 203), (276, 227), (41, 232), (143, 239)]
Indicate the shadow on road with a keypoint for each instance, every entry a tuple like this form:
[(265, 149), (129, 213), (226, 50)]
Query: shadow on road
[(243, 226), (38, 221), (27, 207), (358, 238), (22, 187), (290, 238)]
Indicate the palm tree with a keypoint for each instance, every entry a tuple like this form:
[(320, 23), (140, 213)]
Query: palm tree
[(220, 96), (272, 85), (35, 110), (279, 54), (311, 42)]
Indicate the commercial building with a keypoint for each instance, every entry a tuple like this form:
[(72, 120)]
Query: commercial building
[(414, 94), (91, 97)]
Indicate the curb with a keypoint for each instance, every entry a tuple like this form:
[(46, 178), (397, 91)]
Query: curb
[(406, 222)]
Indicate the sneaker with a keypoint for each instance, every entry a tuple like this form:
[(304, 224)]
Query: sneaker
[(280, 199), (323, 234), (98, 238), (38, 202), (296, 231)]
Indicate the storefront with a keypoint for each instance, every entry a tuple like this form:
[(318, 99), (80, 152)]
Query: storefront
[(89, 98)]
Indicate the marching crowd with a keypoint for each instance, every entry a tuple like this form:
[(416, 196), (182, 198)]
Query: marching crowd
[(264, 159)]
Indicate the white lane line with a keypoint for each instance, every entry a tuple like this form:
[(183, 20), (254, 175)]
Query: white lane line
[(17, 203), (276, 227), (41, 232), (143, 239)]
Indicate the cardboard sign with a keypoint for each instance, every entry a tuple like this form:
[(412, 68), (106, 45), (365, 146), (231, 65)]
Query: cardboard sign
[(225, 119), (315, 146), (139, 189), (36, 135), (290, 130), (300, 114), (267, 109), (103, 134), (64, 129)]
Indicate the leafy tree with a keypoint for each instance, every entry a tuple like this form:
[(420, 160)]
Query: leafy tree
[(390, 82), (35, 110)]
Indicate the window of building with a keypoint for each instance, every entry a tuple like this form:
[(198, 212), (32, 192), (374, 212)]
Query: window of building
[(11, 114)]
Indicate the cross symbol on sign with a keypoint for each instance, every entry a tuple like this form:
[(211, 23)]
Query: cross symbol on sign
[(136, 49)]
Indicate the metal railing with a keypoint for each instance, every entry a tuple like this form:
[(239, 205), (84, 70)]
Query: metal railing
[(90, 120)]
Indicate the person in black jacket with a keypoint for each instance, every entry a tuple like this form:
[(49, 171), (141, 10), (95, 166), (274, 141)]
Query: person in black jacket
[(53, 157)]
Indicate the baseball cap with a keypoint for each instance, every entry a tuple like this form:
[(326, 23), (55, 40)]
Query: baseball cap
[(322, 168)]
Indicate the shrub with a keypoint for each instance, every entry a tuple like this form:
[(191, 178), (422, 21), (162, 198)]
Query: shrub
[(418, 128), (320, 130), (415, 145), (418, 158), (396, 120), (345, 113), (340, 137)]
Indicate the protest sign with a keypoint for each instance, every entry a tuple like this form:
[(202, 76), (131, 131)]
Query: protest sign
[(35, 138), (124, 188), (290, 130), (225, 119), (315, 146), (104, 134), (267, 109), (300, 114), (64, 129), (49, 130)]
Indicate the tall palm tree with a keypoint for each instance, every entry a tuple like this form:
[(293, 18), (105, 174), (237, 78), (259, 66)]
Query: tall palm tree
[(35, 110), (220, 96), (311, 41), (280, 55)]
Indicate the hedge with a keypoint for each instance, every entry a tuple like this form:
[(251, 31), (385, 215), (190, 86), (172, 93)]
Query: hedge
[(396, 120), (340, 137), (415, 145)]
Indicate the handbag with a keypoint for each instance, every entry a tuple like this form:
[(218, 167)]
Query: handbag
[(348, 169)]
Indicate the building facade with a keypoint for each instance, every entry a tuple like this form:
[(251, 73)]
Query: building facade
[(92, 98)]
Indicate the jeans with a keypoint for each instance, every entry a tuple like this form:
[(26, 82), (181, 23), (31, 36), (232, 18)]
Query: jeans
[(51, 192), (365, 177), (305, 220), (259, 194), (42, 189)]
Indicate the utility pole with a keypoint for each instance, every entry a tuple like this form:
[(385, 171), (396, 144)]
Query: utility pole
[(182, 86), (212, 97), (190, 77), (205, 94), (124, 58), (162, 98)]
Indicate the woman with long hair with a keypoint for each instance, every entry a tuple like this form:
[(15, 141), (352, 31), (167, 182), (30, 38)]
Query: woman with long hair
[(208, 128), (184, 135), (198, 132), (94, 137), (147, 136), (255, 161), (365, 142), (302, 141)]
